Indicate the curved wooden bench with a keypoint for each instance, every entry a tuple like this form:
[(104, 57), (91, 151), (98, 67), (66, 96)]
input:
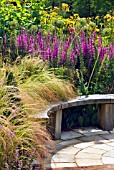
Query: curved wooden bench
[(105, 112)]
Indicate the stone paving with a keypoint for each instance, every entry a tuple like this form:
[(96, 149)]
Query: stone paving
[(84, 147)]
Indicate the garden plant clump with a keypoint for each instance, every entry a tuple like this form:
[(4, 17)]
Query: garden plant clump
[(88, 59), (49, 52), (21, 140), (26, 89)]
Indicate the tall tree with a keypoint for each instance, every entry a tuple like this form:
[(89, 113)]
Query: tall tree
[(85, 8)]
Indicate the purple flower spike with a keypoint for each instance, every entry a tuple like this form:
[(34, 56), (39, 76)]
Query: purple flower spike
[(77, 48), (110, 51), (72, 57), (63, 57), (91, 47), (55, 51), (102, 53), (5, 39), (99, 44), (49, 53)]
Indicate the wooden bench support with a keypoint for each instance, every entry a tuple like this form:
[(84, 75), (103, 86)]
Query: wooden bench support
[(105, 116), (58, 124), (113, 113), (54, 124)]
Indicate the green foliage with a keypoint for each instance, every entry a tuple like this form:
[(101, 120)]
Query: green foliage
[(98, 82), (86, 8), (104, 83), (62, 73), (17, 14)]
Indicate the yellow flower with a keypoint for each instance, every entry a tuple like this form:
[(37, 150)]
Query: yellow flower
[(97, 17), (56, 8), (71, 17), (43, 20), (107, 16), (76, 16), (69, 22), (89, 18), (43, 12), (54, 13), (90, 28), (108, 19), (97, 30), (65, 7)]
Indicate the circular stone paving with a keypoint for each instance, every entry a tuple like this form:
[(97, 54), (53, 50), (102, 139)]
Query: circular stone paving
[(91, 147)]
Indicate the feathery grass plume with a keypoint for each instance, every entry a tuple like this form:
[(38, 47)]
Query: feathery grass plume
[(2, 76), (38, 95), (21, 140), (38, 86), (29, 138)]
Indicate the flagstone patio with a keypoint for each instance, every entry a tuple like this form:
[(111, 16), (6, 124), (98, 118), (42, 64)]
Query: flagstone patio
[(84, 147)]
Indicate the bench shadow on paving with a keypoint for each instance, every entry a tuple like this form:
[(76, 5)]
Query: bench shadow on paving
[(85, 147)]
